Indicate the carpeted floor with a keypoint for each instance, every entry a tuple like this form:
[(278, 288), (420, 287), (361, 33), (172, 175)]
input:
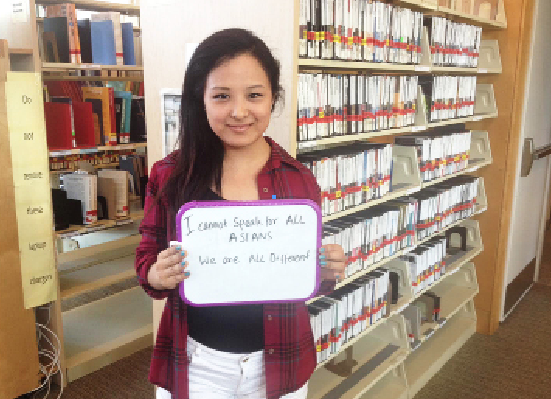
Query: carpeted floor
[(514, 363)]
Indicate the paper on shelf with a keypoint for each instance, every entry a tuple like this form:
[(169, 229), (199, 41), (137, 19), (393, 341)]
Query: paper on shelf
[(25, 111)]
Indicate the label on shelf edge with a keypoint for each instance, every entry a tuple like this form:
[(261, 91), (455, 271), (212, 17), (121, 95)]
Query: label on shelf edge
[(482, 70), (306, 144), (418, 128), (422, 68)]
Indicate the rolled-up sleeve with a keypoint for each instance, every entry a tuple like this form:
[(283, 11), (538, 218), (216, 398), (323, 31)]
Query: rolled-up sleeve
[(153, 230)]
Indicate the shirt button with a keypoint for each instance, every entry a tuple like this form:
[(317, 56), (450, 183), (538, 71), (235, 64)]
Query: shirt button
[(269, 317), (271, 351), (265, 189)]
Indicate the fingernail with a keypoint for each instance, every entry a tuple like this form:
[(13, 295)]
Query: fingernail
[(183, 263), (186, 274), (179, 248), (322, 256), (322, 249), (183, 253), (337, 276), (323, 263)]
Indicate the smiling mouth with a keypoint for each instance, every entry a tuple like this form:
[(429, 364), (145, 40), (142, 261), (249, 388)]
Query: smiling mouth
[(240, 128)]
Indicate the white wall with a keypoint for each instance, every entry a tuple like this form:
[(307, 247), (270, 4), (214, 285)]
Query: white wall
[(168, 25), (530, 192)]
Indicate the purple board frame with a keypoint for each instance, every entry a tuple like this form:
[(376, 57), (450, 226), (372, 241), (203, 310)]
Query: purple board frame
[(275, 202)]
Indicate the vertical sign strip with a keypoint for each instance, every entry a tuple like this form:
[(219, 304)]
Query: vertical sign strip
[(29, 155)]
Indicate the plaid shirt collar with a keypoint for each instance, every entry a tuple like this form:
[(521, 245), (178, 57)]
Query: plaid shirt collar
[(278, 156)]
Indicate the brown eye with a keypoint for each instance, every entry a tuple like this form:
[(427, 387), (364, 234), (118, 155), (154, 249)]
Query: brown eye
[(255, 95), (221, 97)]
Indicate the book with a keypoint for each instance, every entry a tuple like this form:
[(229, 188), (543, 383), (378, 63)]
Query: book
[(85, 37), (115, 19), (59, 133), (68, 11), (103, 43), (120, 194), (119, 117), (97, 114), (127, 31), (126, 112), (102, 94), (138, 132), (58, 26), (113, 138), (83, 187), (84, 124), (67, 100)]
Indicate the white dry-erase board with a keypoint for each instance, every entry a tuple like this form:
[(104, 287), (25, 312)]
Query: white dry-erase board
[(249, 252)]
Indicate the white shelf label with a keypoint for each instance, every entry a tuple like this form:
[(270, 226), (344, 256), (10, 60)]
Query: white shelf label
[(422, 68), (482, 70), (418, 128), (477, 118), (90, 66), (306, 144)]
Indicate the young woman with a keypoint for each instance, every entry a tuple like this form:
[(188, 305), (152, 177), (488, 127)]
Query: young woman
[(230, 89)]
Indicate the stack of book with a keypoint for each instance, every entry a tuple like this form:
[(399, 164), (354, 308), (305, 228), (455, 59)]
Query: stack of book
[(103, 39), (426, 263), (95, 116), (334, 105), (448, 97), (351, 176), (440, 154), (359, 30), (454, 44), (444, 204), (348, 311), (369, 236)]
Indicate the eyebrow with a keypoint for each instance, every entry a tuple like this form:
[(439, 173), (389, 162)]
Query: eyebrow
[(228, 89)]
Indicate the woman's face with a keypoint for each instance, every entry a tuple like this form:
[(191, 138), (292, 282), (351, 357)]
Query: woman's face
[(238, 101)]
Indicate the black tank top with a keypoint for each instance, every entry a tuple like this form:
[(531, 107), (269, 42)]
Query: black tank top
[(235, 329)]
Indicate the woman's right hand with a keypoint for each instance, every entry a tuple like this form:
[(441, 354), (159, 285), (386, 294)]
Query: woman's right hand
[(169, 269)]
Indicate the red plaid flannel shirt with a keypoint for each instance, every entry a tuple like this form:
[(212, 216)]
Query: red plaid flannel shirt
[(290, 356)]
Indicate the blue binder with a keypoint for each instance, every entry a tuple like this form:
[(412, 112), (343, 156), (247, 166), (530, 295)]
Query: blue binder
[(128, 43), (103, 43)]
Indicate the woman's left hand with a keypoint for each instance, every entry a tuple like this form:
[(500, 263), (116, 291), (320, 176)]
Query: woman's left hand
[(332, 262)]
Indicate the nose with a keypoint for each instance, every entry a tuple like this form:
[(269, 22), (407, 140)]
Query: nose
[(239, 110)]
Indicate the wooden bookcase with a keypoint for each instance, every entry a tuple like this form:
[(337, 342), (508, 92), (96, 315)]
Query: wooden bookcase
[(100, 315), (19, 366)]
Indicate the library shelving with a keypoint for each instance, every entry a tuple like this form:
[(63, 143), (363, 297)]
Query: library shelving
[(376, 354), (96, 5), (489, 62), (98, 333), (93, 150), (424, 362), (406, 178), (485, 107), (379, 349), (92, 260), (374, 375)]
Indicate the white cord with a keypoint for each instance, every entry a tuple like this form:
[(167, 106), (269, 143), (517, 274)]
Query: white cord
[(53, 355)]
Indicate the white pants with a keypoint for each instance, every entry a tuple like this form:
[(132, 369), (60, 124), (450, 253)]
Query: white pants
[(221, 375)]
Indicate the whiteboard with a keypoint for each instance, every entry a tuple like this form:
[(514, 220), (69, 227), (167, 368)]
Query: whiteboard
[(249, 252)]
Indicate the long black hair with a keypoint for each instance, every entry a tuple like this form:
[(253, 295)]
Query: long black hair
[(201, 152)]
